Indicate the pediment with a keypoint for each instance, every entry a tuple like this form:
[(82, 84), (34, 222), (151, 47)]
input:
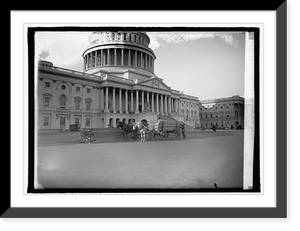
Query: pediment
[(155, 83)]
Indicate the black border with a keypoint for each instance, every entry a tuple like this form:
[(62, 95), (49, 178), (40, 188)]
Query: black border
[(280, 211), (256, 166)]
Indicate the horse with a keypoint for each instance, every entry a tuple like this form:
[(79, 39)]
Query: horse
[(142, 128), (126, 128)]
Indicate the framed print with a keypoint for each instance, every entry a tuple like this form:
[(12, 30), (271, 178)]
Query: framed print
[(148, 118)]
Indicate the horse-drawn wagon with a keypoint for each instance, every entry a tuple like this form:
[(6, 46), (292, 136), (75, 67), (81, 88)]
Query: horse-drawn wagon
[(164, 128)]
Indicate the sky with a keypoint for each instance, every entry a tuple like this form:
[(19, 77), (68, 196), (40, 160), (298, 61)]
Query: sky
[(204, 64)]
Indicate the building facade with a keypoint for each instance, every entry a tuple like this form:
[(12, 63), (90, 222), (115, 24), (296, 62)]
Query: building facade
[(117, 83), (222, 112)]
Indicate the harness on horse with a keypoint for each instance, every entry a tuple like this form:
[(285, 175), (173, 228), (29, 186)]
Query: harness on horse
[(142, 128), (126, 128)]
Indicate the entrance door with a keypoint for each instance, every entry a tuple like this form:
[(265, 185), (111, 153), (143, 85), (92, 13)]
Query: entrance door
[(62, 122), (78, 121)]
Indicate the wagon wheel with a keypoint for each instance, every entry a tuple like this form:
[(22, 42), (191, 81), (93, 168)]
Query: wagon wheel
[(177, 133), (82, 139), (164, 135), (135, 136), (151, 136)]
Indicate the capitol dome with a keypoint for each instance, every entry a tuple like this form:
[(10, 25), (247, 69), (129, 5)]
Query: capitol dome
[(117, 51)]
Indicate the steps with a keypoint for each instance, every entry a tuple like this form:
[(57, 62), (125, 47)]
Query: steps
[(165, 117)]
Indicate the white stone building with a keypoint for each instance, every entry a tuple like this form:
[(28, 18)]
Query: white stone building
[(117, 83)]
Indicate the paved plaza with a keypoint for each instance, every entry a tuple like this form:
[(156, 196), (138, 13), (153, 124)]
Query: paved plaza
[(199, 161)]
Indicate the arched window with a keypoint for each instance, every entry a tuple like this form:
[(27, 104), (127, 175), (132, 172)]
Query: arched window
[(63, 101)]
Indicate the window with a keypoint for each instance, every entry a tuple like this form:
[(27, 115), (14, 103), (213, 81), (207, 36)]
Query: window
[(47, 84), (77, 104), (63, 87), (46, 120), (63, 101), (88, 121), (88, 105), (227, 114), (88, 90), (78, 89), (46, 101)]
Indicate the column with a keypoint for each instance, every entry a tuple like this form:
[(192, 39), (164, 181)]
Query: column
[(147, 97), (106, 99), (96, 58), (122, 57), (114, 100), (166, 105), (142, 101), (120, 100), (101, 59), (157, 108), (88, 61), (83, 97), (129, 57), (94, 98), (152, 102), (135, 59), (97, 99), (137, 102), (170, 110), (126, 101), (142, 63), (115, 57), (161, 104), (131, 101), (101, 99), (53, 94), (179, 107)]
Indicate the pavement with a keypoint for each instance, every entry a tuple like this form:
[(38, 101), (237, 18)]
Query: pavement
[(199, 161)]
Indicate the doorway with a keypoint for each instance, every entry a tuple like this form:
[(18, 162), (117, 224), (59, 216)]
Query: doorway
[(62, 122)]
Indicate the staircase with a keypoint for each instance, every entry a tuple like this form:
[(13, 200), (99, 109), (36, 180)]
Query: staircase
[(166, 117)]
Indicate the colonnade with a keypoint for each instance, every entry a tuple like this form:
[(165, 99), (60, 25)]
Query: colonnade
[(117, 100), (119, 57)]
